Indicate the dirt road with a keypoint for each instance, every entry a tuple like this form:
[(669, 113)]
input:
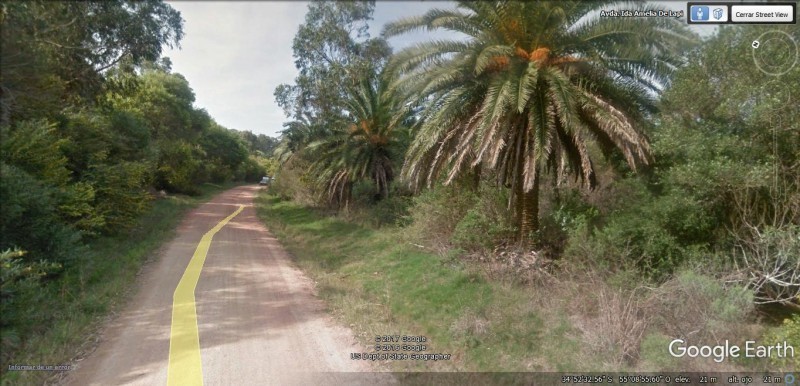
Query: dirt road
[(256, 316)]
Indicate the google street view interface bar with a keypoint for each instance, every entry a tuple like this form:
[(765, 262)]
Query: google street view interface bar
[(741, 13)]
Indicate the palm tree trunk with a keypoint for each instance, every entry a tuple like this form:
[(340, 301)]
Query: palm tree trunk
[(529, 223), (476, 178)]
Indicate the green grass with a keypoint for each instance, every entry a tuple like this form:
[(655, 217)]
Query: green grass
[(379, 284), (69, 310)]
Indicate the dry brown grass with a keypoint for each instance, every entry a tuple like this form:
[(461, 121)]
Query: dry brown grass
[(612, 321)]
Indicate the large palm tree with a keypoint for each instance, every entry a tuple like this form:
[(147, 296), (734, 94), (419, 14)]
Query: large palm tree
[(529, 87), (368, 146)]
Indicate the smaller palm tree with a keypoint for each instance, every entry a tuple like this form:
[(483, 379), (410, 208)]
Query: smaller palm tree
[(368, 147)]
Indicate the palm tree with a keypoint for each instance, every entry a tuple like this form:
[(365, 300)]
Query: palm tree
[(368, 146), (296, 136), (530, 87)]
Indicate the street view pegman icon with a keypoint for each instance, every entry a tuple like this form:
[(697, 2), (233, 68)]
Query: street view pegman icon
[(699, 13)]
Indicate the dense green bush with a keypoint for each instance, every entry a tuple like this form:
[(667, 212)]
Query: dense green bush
[(120, 195), (292, 182), (29, 219), (179, 168), (436, 212), (19, 283), (655, 233), (370, 208), (251, 170), (487, 223), (788, 332)]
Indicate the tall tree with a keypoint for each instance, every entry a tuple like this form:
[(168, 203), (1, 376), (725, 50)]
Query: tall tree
[(530, 88), (59, 51), (332, 48)]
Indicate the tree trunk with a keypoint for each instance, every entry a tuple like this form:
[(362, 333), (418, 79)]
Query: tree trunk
[(476, 178), (529, 213)]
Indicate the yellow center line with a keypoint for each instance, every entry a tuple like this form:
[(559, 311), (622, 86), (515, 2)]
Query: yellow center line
[(184, 341)]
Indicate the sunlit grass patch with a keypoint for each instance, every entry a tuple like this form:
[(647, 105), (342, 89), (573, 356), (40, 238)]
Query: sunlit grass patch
[(379, 284)]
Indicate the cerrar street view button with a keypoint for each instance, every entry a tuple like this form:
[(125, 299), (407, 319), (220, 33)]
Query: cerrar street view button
[(763, 13)]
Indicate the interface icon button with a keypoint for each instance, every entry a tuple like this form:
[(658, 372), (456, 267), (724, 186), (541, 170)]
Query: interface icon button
[(699, 13)]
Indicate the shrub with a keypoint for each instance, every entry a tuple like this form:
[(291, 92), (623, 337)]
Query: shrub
[(29, 219), (250, 170), (391, 211), (788, 332), (436, 212), (770, 263), (696, 306), (179, 167), (19, 283), (654, 233), (120, 195), (291, 182), (487, 223)]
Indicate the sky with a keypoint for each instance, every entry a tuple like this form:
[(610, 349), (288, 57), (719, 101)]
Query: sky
[(234, 54)]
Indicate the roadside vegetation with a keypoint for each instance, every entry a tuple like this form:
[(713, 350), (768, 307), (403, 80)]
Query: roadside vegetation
[(556, 191), (553, 191), (101, 151), (61, 317)]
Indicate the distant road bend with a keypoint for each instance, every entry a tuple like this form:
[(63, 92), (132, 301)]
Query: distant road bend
[(257, 321)]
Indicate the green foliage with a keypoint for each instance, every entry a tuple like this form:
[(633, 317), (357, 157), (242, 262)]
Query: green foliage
[(120, 196), (338, 104), (572, 213), (293, 182), (56, 52), (251, 170), (179, 167), (369, 147), (111, 167), (332, 48), (788, 332), (695, 302), (29, 218), (436, 213), (487, 223), (656, 233), (369, 210), (223, 151), (19, 281), (259, 145), (652, 351), (533, 85), (165, 100), (35, 147)]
